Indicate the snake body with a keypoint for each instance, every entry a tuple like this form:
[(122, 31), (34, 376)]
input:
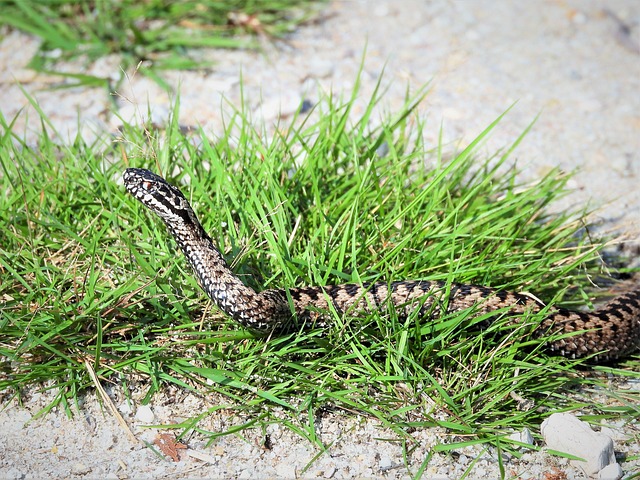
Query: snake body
[(611, 332)]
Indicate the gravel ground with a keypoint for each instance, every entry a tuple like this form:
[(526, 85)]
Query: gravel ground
[(577, 63)]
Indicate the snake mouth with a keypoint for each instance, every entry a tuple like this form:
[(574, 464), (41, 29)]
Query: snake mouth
[(131, 177)]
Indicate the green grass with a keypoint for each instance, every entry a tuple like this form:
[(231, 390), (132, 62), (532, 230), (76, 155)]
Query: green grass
[(162, 34), (88, 273)]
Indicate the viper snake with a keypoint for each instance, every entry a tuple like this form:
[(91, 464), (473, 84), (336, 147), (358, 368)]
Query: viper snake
[(611, 332)]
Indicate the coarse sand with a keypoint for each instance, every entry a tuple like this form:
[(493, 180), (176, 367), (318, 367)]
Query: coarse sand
[(575, 63)]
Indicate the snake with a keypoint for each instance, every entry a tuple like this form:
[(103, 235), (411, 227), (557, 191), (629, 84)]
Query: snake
[(606, 334)]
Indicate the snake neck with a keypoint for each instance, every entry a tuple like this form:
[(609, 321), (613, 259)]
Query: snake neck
[(265, 311)]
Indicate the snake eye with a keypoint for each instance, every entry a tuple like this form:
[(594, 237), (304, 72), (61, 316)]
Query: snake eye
[(146, 185)]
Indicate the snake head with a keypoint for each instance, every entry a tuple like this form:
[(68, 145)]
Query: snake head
[(155, 193)]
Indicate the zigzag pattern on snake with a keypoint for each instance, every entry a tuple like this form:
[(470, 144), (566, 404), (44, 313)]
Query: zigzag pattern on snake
[(611, 332)]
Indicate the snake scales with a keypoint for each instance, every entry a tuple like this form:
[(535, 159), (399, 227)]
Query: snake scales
[(611, 332)]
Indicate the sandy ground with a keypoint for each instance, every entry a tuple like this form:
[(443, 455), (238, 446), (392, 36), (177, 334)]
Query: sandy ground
[(576, 63)]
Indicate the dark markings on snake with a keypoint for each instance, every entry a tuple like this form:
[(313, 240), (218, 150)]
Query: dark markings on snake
[(609, 333)]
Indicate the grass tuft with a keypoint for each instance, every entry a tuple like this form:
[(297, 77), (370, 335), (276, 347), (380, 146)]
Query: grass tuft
[(155, 32), (87, 273)]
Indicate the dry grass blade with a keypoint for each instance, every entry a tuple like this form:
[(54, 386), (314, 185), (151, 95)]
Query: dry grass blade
[(107, 401)]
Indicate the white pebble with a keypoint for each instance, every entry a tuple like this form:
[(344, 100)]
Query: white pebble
[(125, 408), (613, 471), (145, 414), (523, 437), (80, 469), (245, 474), (329, 472), (565, 433)]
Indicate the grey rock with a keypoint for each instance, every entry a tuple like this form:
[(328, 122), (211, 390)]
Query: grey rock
[(613, 471), (566, 433)]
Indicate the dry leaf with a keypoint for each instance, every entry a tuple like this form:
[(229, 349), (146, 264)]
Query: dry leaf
[(168, 445)]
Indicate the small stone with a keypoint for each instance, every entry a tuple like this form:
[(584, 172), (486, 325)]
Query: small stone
[(105, 439), (145, 414), (329, 472), (385, 463), (218, 450), (125, 408), (245, 474), (613, 471), (523, 437), (565, 433), (80, 469), (306, 106)]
